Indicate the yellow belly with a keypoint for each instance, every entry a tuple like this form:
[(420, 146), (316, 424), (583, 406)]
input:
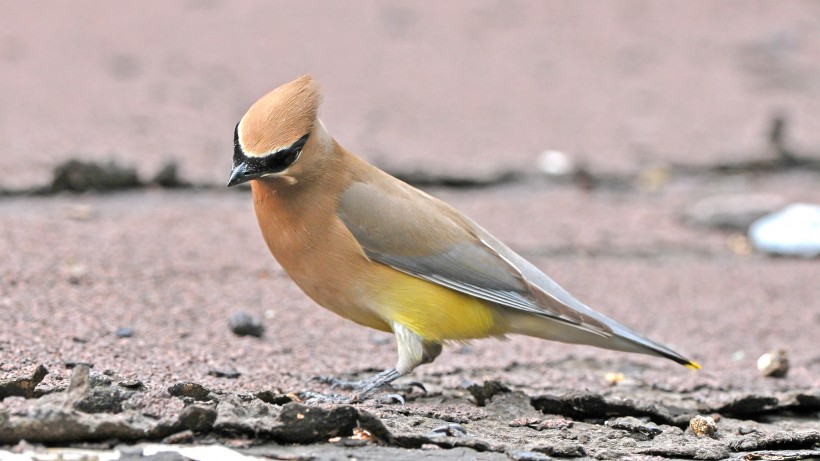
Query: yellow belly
[(431, 311)]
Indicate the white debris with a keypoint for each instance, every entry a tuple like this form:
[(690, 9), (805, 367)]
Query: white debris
[(792, 231), (555, 163)]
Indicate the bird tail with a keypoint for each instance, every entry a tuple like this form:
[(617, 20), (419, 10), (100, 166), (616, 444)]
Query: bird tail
[(621, 339)]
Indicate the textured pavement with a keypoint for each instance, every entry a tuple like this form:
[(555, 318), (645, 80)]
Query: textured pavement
[(636, 93), (459, 88)]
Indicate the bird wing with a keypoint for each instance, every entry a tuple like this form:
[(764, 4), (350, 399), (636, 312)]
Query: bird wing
[(412, 232)]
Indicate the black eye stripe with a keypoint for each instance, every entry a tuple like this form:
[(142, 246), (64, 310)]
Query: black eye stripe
[(273, 163)]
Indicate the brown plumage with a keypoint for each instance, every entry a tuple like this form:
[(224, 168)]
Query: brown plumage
[(377, 251)]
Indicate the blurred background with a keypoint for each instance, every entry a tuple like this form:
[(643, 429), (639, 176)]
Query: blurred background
[(459, 88), (658, 108)]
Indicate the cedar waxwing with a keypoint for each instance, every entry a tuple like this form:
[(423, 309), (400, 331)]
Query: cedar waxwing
[(386, 255)]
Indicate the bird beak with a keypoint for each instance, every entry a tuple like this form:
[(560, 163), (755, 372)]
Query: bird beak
[(239, 174)]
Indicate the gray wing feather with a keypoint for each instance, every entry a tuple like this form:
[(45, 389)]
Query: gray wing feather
[(477, 264)]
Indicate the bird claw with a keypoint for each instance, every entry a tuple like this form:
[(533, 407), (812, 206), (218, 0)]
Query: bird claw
[(416, 384), (391, 398)]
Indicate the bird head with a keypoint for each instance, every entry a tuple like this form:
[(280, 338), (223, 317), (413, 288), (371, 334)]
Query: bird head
[(277, 133)]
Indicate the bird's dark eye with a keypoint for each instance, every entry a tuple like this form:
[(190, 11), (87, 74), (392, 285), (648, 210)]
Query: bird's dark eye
[(281, 160), (289, 156)]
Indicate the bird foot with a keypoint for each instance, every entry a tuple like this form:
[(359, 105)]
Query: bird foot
[(364, 388)]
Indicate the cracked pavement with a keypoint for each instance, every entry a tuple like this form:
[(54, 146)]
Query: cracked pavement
[(137, 278)]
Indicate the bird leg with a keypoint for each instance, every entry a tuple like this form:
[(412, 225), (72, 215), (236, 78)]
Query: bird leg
[(413, 351)]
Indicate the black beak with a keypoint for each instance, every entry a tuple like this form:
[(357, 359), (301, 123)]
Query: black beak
[(240, 174)]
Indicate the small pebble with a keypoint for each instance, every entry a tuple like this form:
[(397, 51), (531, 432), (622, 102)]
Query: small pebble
[(613, 378), (465, 349), (244, 324), (225, 373), (133, 384), (75, 273), (124, 332), (188, 389), (555, 163), (774, 364), (361, 434), (792, 231), (703, 426)]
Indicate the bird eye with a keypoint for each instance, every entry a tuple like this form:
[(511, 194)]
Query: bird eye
[(293, 152), (290, 157)]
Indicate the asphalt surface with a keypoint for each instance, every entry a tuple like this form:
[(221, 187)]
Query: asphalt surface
[(650, 99)]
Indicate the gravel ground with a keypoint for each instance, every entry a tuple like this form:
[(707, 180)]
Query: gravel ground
[(118, 303)]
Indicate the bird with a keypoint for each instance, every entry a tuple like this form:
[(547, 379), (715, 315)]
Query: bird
[(386, 255)]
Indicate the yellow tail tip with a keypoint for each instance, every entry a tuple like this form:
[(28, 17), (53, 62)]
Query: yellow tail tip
[(692, 366)]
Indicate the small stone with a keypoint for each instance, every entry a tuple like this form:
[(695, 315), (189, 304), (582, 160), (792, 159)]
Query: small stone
[(132, 384), (774, 364), (703, 426), (361, 434), (191, 390), (555, 163), (124, 332), (229, 373), (273, 397), (613, 378), (792, 231), (75, 273), (465, 349), (737, 356), (244, 324), (739, 244)]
